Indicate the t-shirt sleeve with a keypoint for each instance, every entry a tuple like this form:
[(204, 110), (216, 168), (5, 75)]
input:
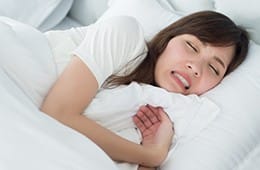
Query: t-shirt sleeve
[(110, 44)]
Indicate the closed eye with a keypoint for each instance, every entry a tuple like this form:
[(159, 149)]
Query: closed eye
[(191, 46), (214, 69)]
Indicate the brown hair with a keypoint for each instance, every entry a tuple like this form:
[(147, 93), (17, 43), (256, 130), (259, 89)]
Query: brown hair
[(208, 26)]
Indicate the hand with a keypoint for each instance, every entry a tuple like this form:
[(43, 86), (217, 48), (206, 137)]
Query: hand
[(156, 129), (147, 119)]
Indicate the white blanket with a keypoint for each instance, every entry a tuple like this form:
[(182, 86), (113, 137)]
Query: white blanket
[(114, 108), (30, 139)]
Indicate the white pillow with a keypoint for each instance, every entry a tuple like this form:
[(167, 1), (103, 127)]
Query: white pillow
[(40, 14), (148, 13), (234, 136), (56, 16), (245, 13), (87, 11)]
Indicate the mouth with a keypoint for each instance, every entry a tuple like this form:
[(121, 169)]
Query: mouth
[(181, 79)]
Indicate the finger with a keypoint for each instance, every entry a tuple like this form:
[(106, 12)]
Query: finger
[(163, 114), (155, 117), (142, 114), (139, 124), (151, 114)]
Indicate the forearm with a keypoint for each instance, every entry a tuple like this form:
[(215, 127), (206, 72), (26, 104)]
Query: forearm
[(71, 94), (117, 148)]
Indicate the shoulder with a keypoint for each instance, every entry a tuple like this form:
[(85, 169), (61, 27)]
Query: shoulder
[(126, 40), (122, 25)]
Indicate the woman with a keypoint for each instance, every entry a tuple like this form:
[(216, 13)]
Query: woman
[(190, 56)]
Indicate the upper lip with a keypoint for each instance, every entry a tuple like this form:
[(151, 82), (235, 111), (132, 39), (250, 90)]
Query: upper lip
[(183, 78)]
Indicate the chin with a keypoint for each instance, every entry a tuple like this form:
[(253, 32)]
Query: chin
[(173, 90)]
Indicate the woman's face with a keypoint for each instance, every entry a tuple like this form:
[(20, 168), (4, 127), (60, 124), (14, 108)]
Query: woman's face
[(189, 66)]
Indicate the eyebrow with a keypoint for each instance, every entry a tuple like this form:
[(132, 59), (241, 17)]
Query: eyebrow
[(220, 61)]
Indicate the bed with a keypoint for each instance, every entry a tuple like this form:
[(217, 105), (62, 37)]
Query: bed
[(31, 140)]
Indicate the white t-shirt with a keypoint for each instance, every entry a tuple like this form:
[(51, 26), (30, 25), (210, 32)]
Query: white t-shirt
[(106, 48)]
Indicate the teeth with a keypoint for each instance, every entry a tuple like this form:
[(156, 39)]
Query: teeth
[(183, 80)]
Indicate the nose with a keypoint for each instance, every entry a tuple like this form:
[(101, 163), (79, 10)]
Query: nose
[(195, 68)]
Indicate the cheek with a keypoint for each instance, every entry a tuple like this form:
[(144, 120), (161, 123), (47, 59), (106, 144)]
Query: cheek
[(174, 52), (207, 84)]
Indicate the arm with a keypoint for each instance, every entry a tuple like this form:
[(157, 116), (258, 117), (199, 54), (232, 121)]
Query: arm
[(68, 98)]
